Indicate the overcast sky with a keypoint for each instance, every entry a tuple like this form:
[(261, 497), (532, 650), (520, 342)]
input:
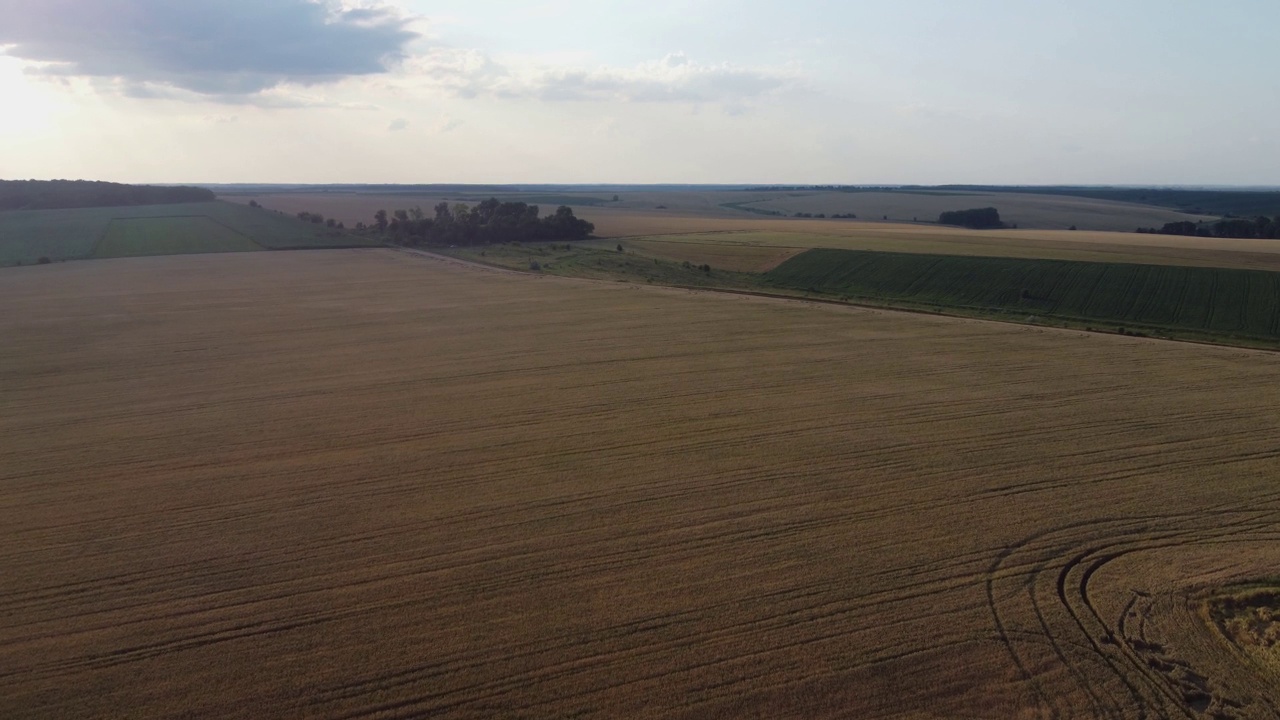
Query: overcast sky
[(803, 91)]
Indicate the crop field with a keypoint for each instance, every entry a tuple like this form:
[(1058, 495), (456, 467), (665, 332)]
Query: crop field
[(596, 261), (734, 238), (131, 237), (1227, 302), (738, 258), (1028, 211), (28, 235), (1025, 210), (1081, 246), (368, 484)]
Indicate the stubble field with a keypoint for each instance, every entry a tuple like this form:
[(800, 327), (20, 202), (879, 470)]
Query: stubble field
[(365, 483)]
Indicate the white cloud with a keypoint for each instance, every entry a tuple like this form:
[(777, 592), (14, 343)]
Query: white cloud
[(207, 48), (673, 79), (446, 124)]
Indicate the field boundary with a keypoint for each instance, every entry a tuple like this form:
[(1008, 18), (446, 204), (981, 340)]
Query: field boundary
[(976, 314), (941, 312), (1121, 295), (239, 232)]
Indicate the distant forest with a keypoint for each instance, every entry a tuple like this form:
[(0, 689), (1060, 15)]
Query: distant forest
[(489, 222), (64, 194), (1261, 227), (976, 219)]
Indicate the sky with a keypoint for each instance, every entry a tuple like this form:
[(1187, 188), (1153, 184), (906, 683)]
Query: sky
[(1163, 92)]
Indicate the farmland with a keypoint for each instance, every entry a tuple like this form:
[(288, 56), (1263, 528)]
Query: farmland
[(170, 236), (28, 235), (1212, 301), (365, 483), (786, 236), (1028, 211), (722, 234)]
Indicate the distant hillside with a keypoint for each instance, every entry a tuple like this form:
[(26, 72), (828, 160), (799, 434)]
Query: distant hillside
[(63, 194), (29, 237), (1238, 203)]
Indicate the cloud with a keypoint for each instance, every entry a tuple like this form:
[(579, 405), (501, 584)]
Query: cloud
[(673, 79), (446, 124), (210, 48), (398, 124)]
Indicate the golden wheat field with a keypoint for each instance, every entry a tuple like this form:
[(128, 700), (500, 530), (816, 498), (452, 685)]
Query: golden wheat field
[(370, 484)]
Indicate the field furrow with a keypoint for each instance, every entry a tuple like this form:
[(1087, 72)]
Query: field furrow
[(366, 484)]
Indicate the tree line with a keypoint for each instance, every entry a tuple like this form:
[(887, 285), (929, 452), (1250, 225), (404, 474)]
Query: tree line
[(314, 218), (487, 223), (67, 194), (975, 219), (1261, 228)]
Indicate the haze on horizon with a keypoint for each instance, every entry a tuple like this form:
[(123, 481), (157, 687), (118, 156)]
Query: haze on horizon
[(709, 91)]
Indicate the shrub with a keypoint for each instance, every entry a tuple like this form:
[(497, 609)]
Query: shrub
[(44, 261)]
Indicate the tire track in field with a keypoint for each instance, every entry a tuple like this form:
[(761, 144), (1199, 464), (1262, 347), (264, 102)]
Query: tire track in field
[(1099, 543)]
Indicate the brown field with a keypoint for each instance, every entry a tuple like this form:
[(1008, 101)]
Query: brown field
[(367, 484)]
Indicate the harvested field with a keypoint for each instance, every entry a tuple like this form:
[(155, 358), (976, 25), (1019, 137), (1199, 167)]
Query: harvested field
[(362, 483)]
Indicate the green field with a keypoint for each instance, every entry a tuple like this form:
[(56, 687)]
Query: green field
[(133, 237), (28, 235), (1224, 303)]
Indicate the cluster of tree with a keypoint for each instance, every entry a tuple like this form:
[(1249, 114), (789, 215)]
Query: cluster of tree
[(65, 194), (318, 219), (976, 219), (1261, 227), (489, 222)]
